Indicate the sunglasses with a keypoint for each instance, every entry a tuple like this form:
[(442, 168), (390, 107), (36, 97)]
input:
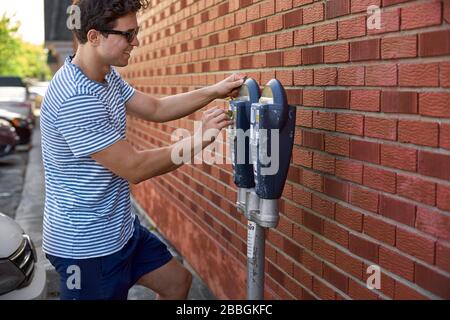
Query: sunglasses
[(129, 35)]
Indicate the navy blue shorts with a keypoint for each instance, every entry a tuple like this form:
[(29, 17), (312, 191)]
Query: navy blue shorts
[(110, 277)]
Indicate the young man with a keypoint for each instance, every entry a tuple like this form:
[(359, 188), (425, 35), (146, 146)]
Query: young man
[(91, 235)]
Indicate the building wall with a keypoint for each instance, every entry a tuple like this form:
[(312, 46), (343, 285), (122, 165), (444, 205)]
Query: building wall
[(369, 182)]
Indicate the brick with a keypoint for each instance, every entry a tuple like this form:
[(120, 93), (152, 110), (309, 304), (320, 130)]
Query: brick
[(418, 132), (365, 100), (322, 291), (399, 47), (312, 263), (285, 40), (292, 58), (434, 165), (312, 180), (337, 145), (364, 198), (349, 218), (324, 163), (350, 123), (362, 5), (285, 76), (360, 292), (337, 99), (293, 18), (419, 75), (365, 50), (351, 76), (434, 104), (416, 245), (447, 11), (303, 36), (323, 206), (324, 250), (336, 53), (381, 128), (397, 210), (351, 28), (432, 281), (335, 233), (302, 237), (302, 157), (399, 102), (444, 71), (379, 179), (325, 32), (433, 222), (312, 55), (337, 8), (421, 15), (397, 263), (349, 264), (399, 157), (391, 2), (303, 77), (274, 59), (313, 98), (434, 43), (443, 255), (349, 170), (301, 196), (304, 118), (313, 140), (294, 96), (380, 230), (313, 13), (381, 75), (443, 197), (303, 277), (336, 278), (403, 292), (325, 77), (416, 189), (363, 248), (389, 22), (336, 189), (283, 5), (365, 151)]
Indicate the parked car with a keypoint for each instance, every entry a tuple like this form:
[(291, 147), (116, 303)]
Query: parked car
[(14, 97), (21, 124), (8, 138), (22, 276), (36, 95)]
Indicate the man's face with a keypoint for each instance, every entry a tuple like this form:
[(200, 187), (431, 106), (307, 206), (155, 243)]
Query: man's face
[(115, 50)]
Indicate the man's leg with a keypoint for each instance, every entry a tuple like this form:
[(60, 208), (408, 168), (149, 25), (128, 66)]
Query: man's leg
[(172, 281)]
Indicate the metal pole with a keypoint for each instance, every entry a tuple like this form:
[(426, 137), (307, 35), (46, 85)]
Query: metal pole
[(255, 261)]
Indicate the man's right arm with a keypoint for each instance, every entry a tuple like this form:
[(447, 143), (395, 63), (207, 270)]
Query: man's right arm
[(137, 166)]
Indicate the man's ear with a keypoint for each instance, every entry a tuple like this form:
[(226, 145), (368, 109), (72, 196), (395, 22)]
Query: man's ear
[(93, 37)]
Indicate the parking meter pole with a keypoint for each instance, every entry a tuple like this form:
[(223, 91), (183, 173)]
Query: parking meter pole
[(255, 261)]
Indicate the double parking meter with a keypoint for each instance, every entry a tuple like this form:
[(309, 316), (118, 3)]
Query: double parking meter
[(261, 140)]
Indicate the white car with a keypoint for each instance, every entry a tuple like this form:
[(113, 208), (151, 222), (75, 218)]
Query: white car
[(22, 277)]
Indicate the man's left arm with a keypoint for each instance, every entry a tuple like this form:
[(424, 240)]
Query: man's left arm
[(178, 106)]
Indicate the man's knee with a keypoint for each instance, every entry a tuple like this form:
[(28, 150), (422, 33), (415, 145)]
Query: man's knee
[(179, 286)]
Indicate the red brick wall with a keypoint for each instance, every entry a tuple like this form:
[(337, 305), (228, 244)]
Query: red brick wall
[(369, 182)]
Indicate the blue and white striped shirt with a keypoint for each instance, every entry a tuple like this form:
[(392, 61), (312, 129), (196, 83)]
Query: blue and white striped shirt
[(87, 207)]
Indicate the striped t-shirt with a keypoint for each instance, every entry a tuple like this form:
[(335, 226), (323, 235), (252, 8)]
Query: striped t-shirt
[(87, 207)]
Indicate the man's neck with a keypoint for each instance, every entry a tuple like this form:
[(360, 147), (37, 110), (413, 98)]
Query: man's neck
[(90, 66)]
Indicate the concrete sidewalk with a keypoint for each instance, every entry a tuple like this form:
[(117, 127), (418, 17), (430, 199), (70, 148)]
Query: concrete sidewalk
[(29, 215)]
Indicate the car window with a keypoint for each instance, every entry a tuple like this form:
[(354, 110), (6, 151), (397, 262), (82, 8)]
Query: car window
[(17, 94)]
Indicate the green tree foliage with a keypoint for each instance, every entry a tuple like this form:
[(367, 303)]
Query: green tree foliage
[(18, 58)]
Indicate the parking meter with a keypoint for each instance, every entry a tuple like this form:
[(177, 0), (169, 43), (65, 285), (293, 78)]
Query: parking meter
[(239, 139), (272, 127)]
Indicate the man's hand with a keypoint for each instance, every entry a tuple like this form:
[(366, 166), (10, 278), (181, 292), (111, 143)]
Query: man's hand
[(213, 121), (229, 87)]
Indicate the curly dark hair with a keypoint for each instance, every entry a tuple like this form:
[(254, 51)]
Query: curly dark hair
[(102, 14)]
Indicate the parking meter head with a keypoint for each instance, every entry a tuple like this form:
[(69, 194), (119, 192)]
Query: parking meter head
[(239, 133)]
